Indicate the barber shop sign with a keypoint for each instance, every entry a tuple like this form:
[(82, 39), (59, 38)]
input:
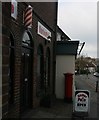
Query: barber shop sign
[(82, 101)]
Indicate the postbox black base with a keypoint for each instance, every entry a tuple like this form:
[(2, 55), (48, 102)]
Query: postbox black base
[(69, 100)]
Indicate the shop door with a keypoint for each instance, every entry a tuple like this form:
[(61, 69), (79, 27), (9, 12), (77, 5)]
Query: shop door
[(26, 84)]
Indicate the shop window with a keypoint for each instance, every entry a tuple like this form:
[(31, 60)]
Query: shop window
[(11, 70), (26, 39), (47, 75), (40, 70)]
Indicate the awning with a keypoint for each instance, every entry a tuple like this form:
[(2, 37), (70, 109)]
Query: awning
[(67, 47)]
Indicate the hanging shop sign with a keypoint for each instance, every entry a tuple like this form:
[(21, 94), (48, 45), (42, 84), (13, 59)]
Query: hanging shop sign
[(14, 9), (44, 32), (28, 17), (82, 101)]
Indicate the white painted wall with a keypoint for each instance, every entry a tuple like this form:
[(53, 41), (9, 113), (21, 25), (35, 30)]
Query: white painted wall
[(64, 64), (58, 36)]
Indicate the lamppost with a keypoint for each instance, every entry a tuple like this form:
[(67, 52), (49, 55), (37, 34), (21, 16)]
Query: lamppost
[(97, 86), (87, 70)]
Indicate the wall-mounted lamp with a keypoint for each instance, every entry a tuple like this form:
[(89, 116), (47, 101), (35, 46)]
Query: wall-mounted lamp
[(49, 37), (48, 40)]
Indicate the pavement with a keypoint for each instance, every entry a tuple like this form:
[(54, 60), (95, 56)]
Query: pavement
[(63, 109), (89, 83), (60, 109)]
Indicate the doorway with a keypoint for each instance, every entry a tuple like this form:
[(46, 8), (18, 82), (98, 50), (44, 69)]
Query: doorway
[(26, 74)]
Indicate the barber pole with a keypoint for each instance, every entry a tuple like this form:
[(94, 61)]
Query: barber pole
[(28, 17)]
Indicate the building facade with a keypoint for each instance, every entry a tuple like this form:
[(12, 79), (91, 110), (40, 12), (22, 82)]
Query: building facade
[(28, 57), (66, 52)]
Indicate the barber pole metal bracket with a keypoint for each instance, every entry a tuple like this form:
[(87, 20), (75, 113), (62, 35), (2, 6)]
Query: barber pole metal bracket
[(28, 17)]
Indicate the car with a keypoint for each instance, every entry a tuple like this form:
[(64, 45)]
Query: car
[(75, 71), (96, 74)]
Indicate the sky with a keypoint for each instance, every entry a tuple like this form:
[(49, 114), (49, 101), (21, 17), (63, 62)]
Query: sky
[(78, 19)]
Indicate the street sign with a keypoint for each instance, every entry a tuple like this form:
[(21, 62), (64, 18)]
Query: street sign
[(82, 101)]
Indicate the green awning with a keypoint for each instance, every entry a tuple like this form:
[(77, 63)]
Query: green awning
[(67, 47)]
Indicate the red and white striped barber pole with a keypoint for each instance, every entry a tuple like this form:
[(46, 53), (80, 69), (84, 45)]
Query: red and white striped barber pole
[(28, 17)]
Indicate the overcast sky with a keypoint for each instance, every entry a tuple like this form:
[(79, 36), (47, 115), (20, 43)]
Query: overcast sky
[(78, 19)]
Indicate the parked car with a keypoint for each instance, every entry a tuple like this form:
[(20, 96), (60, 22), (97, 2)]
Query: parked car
[(75, 72), (96, 74)]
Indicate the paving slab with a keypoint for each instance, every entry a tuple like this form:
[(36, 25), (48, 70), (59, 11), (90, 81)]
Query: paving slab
[(60, 109)]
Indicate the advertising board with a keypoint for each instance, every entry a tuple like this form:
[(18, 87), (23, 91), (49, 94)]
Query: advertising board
[(82, 101)]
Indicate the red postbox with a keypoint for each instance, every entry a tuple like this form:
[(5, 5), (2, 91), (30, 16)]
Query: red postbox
[(68, 86)]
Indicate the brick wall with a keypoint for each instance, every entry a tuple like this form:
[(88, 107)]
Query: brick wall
[(48, 17), (47, 12), (44, 13), (0, 60), (7, 110), (5, 58)]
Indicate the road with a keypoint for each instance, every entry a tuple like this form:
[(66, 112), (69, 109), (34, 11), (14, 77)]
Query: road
[(89, 83)]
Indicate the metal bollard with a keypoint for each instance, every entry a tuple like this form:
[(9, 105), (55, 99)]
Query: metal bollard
[(97, 86)]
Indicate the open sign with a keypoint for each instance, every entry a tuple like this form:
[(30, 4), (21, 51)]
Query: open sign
[(82, 99)]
